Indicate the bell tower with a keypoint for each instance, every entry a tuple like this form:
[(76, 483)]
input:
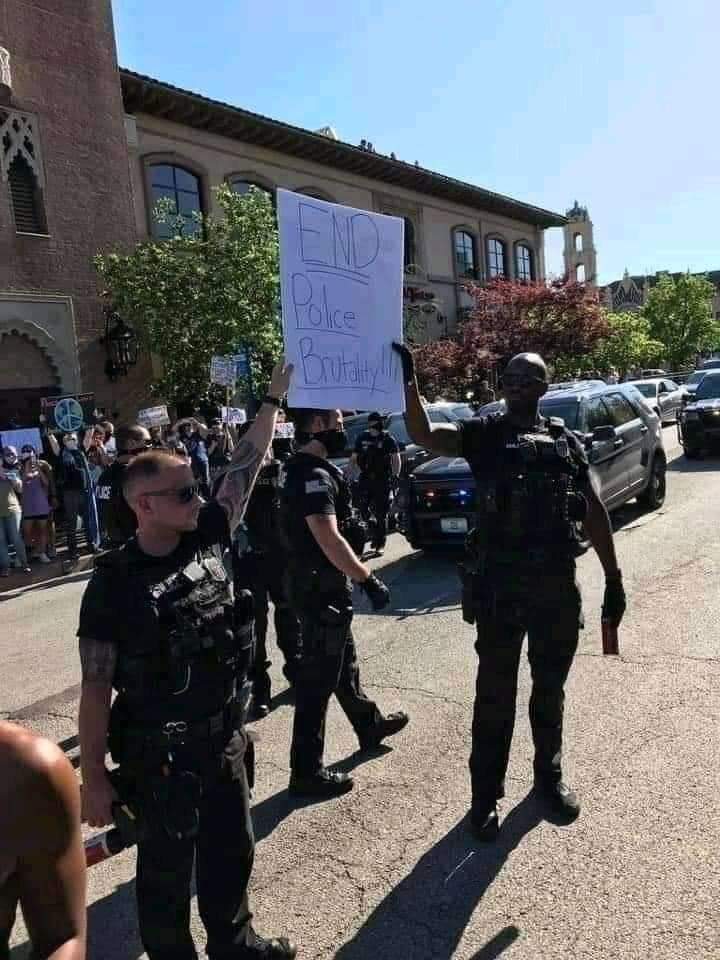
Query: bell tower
[(579, 254)]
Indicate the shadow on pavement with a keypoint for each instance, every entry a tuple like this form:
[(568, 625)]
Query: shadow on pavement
[(52, 579), (434, 903), (705, 464), (499, 944), (414, 581)]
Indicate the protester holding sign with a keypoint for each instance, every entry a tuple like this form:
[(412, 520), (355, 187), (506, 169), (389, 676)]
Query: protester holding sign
[(11, 512), (37, 481)]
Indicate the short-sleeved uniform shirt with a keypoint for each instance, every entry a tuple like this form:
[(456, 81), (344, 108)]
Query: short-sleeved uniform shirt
[(116, 610), (495, 450), (374, 454), (310, 486), (117, 518)]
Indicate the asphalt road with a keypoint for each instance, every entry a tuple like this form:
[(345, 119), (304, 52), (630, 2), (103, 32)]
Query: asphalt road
[(390, 871)]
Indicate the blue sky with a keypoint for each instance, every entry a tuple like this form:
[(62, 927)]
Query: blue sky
[(613, 104)]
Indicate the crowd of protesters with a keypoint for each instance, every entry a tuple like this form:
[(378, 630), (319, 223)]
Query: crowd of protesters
[(69, 479)]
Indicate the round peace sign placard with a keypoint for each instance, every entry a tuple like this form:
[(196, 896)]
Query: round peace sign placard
[(69, 414)]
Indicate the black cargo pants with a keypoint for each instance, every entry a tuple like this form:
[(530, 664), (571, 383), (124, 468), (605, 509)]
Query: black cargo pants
[(328, 664), (223, 849), (375, 500), (547, 607)]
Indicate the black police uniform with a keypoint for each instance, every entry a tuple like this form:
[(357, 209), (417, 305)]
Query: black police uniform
[(530, 495), (262, 569), (322, 598), (374, 453), (177, 732), (117, 519)]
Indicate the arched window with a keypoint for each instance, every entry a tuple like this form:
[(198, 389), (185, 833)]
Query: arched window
[(497, 266), (316, 193), (26, 197), (580, 273), (182, 189), (465, 255), (524, 266), (242, 186), (577, 242)]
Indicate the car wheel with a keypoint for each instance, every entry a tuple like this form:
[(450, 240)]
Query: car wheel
[(692, 453), (653, 496)]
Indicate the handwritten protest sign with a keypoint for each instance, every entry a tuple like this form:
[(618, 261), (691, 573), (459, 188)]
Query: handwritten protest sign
[(154, 416), (223, 370), (341, 281), (234, 415)]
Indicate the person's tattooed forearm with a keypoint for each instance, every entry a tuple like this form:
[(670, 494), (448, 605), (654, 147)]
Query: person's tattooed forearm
[(237, 484)]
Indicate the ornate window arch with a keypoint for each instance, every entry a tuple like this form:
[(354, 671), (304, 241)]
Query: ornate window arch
[(496, 253), (524, 261), (62, 363), (241, 183), (21, 168), (465, 253), (180, 180), (316, 192)]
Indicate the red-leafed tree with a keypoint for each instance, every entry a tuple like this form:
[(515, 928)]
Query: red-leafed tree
[(557, 320), (443, 369)]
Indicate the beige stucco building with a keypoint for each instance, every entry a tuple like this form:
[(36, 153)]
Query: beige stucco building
[(182, 145)]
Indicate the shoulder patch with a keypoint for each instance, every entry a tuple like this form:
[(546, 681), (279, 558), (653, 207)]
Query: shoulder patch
[(317, 486)]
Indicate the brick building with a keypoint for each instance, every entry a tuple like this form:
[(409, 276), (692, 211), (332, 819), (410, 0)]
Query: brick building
[(64, 195)]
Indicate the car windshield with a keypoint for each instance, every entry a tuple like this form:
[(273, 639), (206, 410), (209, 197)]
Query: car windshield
[(397, 429), (462, 412), (695, 377), (646, 389), (709, 389), (567, 409)]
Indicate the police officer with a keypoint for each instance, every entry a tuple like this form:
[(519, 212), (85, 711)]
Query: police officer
[(156, 625), (377, 455), (117, 521), (533, 488), (316, 509), (261, 568)]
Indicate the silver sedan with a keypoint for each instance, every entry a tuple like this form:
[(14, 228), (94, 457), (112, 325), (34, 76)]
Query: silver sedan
[(663, 396)]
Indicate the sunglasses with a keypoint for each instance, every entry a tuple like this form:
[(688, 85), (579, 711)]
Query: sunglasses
[(519, 380), (181, 494)]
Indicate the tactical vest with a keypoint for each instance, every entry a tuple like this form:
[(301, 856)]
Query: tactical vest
[(373, 459), (193, 664), (527, 494), (262, 517)]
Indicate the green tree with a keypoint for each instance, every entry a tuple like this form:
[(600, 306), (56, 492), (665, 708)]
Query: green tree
[(213, 290), (679, 311), (626, 344)]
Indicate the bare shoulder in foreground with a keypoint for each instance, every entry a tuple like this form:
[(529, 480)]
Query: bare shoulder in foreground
[(42, 863)]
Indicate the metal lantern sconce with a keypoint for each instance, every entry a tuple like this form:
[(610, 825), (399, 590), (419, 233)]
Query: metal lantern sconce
[(121, 345)]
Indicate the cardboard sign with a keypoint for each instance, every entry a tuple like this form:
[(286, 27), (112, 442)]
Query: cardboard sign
[(21, 438), (69, 413), (341, 272), (233, 415), (222, 371), (285, 430), (154, 416)]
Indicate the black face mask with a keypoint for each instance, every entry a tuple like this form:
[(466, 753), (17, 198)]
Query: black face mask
[(334, 441)]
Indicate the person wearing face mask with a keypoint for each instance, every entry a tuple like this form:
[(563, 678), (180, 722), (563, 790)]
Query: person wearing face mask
[(78, 493), (117, 520), (316, 506), (37, 494), (11, 512), (377, 456)]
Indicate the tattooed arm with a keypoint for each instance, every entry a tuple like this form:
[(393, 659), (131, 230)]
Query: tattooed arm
[(236, 487), (98, 659)]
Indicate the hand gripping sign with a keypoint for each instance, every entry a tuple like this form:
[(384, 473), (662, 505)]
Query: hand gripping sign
[(341, 275)]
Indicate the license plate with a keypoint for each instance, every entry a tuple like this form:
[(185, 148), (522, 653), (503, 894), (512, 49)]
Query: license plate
[(454, 525)]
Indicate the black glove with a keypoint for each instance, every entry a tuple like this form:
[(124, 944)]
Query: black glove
[(613, 606), (377, 592), (408, 364)]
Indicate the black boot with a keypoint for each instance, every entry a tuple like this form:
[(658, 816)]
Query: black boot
[(485, 824), (559, 798), (325, 783), (390, 725), (271, 948)]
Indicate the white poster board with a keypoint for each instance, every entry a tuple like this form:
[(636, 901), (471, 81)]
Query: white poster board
[(341, 272), (154, 416), (233, 415), (22, 437), (222, 371)]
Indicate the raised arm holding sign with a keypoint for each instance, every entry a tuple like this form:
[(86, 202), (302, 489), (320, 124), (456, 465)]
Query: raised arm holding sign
[(341, 280)]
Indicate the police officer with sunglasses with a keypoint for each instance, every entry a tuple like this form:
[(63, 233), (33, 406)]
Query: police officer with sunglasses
[(533, 491), (159, 626)]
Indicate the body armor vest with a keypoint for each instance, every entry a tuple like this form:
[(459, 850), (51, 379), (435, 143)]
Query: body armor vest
[(262, 517), (195, 660), (527, 494), (373, 460)]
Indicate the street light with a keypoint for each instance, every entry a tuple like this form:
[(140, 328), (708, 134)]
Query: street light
[(121, 345)]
